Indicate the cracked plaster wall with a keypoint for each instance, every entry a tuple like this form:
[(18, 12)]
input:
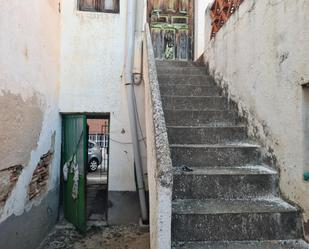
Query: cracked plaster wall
[(260, 57), (29, 85)]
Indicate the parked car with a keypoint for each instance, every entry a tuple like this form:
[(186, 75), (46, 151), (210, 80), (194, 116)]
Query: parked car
[(94, 156)]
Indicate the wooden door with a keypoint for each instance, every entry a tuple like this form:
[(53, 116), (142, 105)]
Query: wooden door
[(171, 28)]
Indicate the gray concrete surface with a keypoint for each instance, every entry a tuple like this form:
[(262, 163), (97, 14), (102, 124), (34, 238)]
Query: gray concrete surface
[(123, 208), (28, 230)]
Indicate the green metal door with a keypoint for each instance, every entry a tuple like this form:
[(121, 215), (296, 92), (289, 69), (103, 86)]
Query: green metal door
[(74, 158)]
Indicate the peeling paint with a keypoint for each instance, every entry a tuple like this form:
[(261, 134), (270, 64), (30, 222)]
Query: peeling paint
[(29, 113), (8, 179), (21, 123), (39, 181)]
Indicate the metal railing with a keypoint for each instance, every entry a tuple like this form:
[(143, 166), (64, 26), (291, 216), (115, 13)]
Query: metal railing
[(220, 12), (101, 139)]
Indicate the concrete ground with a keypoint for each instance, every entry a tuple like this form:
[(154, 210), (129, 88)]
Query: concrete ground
[(96, 202), (97, 194), (64, 236), (97, 177)]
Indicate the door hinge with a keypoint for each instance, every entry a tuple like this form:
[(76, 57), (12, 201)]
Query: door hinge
[(59, 7)]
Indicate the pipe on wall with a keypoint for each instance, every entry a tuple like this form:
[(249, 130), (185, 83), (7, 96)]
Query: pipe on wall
[(128, 78)]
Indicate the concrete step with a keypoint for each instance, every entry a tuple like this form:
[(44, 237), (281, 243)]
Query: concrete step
[(166, 63), (187, 70), (178, 79), (188, 90), (206, 155), (225, 183), (184, 66), (200, 118), (273, 244), (194, 102), (224, 193), (235, 220), (207, 134)]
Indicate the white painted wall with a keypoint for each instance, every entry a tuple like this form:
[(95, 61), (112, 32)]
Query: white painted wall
[(261, 54), (199, 26), (29, 66), (92, 57)]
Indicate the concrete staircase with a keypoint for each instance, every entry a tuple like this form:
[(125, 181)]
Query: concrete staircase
[(223, 194)]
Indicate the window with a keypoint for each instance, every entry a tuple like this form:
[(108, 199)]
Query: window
[(110, 6)]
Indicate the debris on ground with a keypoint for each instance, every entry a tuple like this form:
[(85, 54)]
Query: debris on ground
[(112, 237)]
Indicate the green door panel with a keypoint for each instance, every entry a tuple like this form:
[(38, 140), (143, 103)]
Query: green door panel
[(74, 158)]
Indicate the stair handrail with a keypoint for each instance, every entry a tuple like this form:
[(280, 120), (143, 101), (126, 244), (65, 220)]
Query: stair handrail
[(159, 162)]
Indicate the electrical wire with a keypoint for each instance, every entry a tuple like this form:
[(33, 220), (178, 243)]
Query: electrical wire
[(137, 116), (125, 143)]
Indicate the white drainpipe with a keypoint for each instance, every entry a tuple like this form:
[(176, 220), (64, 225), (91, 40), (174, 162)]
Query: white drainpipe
[(128, 77)]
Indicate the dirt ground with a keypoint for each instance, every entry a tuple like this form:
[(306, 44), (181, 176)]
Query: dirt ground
[(113, 237)]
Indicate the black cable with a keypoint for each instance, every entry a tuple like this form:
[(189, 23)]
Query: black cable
[(137, 116)]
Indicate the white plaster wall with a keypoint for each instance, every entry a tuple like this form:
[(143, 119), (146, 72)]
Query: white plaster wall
[(29, 66), (92, 58), (262, 55), (199, 26), (139, 87)]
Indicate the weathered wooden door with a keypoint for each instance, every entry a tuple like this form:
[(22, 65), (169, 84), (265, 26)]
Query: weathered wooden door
[(74, 158), (171, 28)]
